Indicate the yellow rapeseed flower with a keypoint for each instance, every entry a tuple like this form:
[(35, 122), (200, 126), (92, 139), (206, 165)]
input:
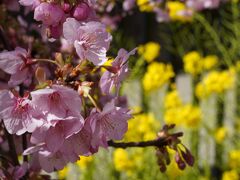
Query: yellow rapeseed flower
[(215, 82), (63, 173), (200, 91), (149, 51), (145, 5), (220, 134), (172, 99), (172, 116), (191, 116), (193, 63), (209, 62), (186, 115), (142, 127), (122, 162), (234, 159), (230, 175), (177, 11), (157, 75), (84, 162)]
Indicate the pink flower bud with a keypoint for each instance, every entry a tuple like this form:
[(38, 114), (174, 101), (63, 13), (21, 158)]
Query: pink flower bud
[(55, 31), (49, 14), (181, 164), (188, 157), (81, 12), (66, 7)]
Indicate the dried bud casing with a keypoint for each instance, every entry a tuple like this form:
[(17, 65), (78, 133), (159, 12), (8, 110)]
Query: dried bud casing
[(40, 75)]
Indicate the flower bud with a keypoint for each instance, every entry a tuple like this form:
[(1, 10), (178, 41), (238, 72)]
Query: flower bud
[(81, 12), (181, 164), (66, 7), (55, 31), (40, 75), (49, 14), (188, 157)]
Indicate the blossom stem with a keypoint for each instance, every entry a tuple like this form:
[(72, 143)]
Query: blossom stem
[(24, 144), (46, 60), (94, 102), (160, 142), (4, 40)]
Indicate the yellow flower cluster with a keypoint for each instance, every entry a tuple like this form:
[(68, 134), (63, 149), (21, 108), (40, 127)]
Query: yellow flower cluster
[(121, 160), (84, 162), (63, 173), (234, 159), (195, 64), (129, 161), (215, 82), (157, 75), (177, 11), (181, 114), (149, 51), (221, 134), (145, 5), (172, 100), (209, 62), (230, 175), (142, 127)]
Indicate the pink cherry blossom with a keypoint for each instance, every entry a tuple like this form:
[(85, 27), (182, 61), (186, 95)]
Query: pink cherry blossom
[(81, 11), (55, 152), (203, 4), (90, 39), (109, 124), (14, 172), (57, 101), (18, 114), (32, 3), (128, 4), (80, 143), (18, 64), (49, 14), (54, 135), (119, 71), (55, 161)]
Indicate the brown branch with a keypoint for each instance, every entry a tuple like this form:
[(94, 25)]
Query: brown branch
[(4, 40), (12, 148), (160, 142)]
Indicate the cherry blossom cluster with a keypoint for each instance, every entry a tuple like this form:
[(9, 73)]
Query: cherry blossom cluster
[(53, 14), (59, 132), (53, 116)]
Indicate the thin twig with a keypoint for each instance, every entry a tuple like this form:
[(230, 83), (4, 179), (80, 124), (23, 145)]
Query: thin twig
[(12, 148), (4, 40), (160, 142)]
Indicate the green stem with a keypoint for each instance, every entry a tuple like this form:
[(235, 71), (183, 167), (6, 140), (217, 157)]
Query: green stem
[(219, 147), (213, 34), (94, 102), (235, 12), (195, 132), (47, 60)]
